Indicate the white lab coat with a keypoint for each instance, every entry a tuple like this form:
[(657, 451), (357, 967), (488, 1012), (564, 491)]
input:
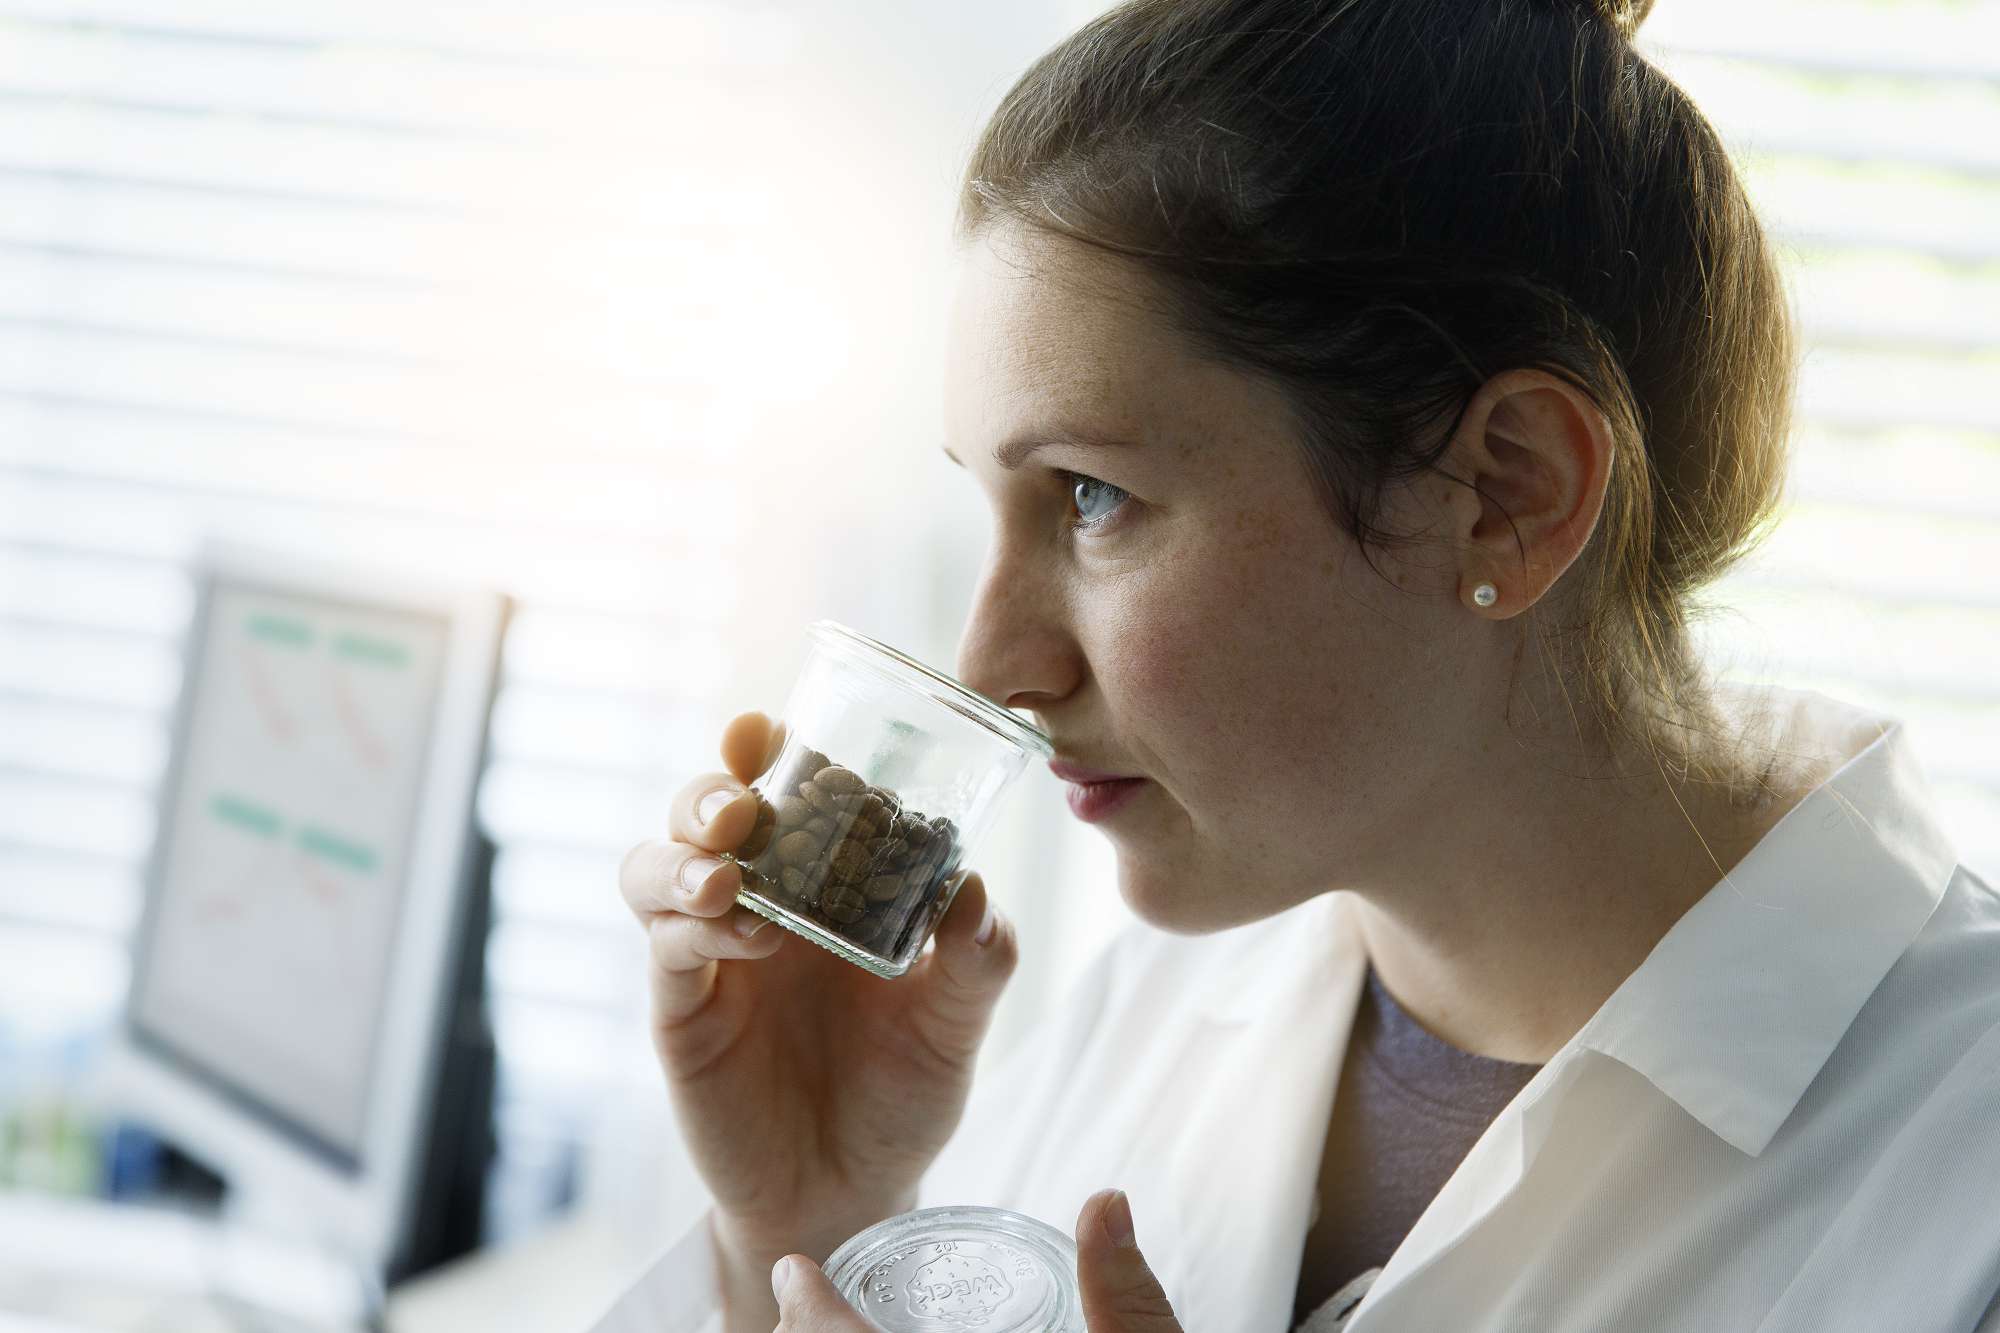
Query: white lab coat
[(1787, 1119)]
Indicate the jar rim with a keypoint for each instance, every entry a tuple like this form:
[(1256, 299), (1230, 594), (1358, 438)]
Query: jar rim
[(957, 696)]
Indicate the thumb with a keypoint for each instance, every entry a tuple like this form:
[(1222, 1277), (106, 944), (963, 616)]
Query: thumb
[(1120, 1293), (960, 981), (808, 1301)]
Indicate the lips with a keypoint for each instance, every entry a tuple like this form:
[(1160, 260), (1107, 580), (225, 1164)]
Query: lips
[(1092, 801), (1070, 772)]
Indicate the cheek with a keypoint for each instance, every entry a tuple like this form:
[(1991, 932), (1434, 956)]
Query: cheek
[(1167, 675), (1219, 676), (1212, 671)]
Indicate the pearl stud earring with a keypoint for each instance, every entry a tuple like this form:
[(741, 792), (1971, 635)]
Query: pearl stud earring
[(1485, 594)]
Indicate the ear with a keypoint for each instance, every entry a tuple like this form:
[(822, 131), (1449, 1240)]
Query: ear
[(1536, 450)]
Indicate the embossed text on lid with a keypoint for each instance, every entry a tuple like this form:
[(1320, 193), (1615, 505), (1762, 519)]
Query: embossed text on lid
[(984, 1270)]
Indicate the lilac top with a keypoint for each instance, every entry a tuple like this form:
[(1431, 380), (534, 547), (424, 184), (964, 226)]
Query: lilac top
[(1409, 1108)]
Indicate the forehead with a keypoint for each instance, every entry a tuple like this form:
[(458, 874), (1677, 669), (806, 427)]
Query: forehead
[(1052, 338), (1041, 324)]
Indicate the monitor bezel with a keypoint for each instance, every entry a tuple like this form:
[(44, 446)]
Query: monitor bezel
[(284, 1175)]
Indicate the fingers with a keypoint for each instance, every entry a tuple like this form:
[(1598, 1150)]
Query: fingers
[(962, 980), (661, 875), (686, 900), (808, 1302), (751, 744), (684, 894), (686, 949), (1118, 1287), (714, 811)]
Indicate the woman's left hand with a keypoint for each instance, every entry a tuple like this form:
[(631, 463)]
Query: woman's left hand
[(1120, 1293)]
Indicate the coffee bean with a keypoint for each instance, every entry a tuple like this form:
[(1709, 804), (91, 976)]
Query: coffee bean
[(874, 809), (759, 839), (875, 932), (849, 862), (853, 827), (938, 858), (888, 851), (798, 847), (912, 829), (820, 798), (843, 904), (840, 781), (849, 855)]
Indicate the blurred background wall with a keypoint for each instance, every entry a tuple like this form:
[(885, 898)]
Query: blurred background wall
[(635, 311)]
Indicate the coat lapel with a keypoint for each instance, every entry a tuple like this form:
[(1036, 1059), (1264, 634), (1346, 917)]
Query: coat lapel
[(1243, 1130), (1490, 1171), (1196, 1074)]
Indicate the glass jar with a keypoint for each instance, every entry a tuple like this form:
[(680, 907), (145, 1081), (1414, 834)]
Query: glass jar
[(960, 1267), (889, 773)]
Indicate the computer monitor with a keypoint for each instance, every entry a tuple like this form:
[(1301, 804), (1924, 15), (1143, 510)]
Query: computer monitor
[(308, 956)]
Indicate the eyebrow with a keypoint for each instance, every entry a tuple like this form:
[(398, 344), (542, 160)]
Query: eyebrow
[(1016, 451)]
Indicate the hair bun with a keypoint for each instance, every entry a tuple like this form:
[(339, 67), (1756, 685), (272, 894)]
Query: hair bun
[(1624, 15)]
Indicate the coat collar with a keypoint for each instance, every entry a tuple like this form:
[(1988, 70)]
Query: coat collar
[(1740, 1004)]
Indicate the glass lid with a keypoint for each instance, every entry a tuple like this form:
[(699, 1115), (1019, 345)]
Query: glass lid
[(961, 1267)]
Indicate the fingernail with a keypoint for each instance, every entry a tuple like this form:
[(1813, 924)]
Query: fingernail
[(695, 872), (779, 1272), (988, 924), (712, 804), (1118, 1219), (750, 925)]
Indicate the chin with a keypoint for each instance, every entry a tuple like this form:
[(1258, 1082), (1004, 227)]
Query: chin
[(1171, 902)]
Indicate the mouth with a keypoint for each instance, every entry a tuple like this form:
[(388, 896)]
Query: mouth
[(1092, 801), (1086, 776)]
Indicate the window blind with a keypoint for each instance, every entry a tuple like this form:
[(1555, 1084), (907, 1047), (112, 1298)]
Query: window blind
[(473, 285), (1868, 136)]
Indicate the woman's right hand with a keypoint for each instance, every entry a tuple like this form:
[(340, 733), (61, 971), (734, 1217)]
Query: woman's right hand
[(812, 1094)]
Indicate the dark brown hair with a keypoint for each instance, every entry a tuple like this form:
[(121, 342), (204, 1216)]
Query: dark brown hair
[(1378, 205)]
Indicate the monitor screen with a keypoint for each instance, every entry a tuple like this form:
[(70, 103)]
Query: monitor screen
[(286, 831)]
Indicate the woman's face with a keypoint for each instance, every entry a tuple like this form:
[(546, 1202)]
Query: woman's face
[(1184, 610)]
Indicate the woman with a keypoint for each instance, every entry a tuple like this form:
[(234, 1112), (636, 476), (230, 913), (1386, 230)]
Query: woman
[(1394, 372)]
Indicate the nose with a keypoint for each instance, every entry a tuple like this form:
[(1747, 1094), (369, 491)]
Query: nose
[(1016, 647)]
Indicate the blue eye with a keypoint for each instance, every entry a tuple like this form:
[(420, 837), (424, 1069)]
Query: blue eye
[(1078, 483)]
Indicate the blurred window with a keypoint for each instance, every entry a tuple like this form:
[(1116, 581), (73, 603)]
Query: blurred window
[(1868, 135), (461, 284)]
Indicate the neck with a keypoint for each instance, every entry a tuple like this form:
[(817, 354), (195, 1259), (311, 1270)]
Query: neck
[(1569, 886)]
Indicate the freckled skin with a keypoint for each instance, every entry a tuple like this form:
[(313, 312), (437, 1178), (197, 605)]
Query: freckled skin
[(1181, 642), (1306, 725)]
